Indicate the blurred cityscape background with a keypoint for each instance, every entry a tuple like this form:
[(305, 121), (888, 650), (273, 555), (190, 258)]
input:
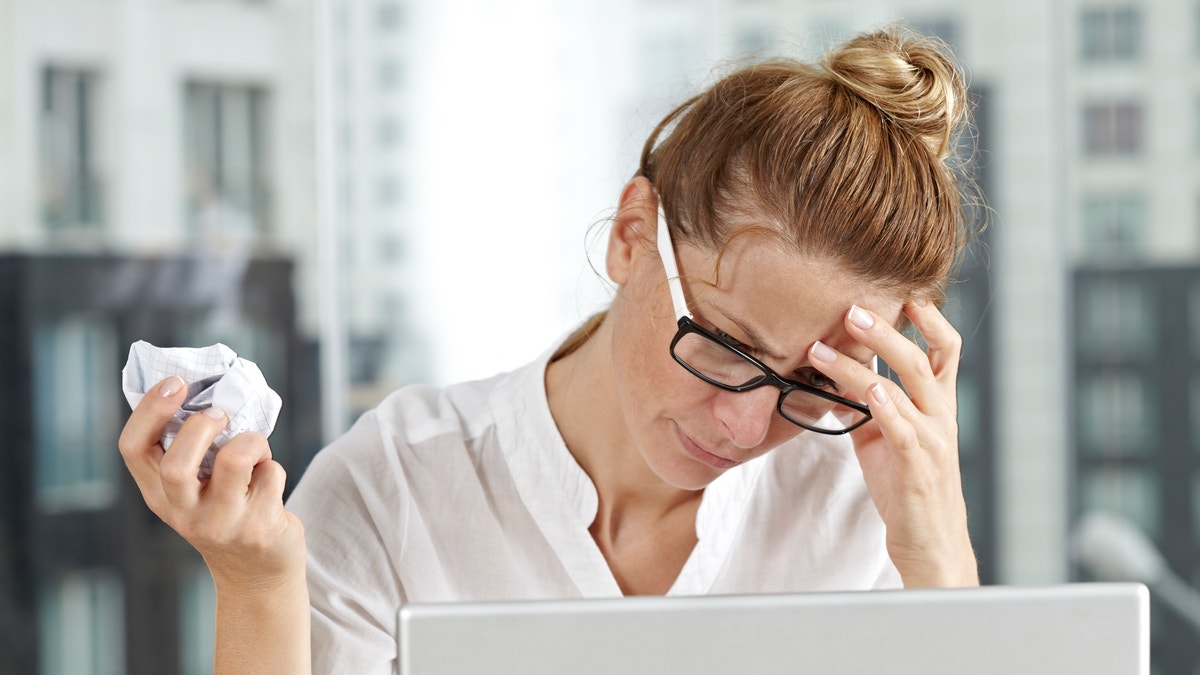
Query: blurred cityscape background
[(360, 194)]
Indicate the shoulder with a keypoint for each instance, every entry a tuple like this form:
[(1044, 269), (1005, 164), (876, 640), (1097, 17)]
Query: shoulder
[(409, 424)]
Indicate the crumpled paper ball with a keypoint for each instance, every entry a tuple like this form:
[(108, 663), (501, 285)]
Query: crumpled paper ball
[(215, 376)]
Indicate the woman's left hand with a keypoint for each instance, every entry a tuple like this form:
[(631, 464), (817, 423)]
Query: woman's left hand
[(909, 452)]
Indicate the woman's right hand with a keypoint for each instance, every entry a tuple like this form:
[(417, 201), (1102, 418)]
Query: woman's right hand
[(253, 546), (236, 518)]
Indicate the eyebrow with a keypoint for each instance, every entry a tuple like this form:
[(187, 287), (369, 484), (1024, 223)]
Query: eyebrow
[(755, 340), (760, 347)]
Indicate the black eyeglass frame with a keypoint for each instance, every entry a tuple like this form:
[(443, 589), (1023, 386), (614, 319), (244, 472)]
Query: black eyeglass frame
[(666, 251), (769, 377)]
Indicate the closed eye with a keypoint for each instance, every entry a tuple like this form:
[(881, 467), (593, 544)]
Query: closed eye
[(810, 376)]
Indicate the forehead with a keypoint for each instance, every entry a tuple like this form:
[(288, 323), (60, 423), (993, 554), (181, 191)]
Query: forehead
[(790, 299)]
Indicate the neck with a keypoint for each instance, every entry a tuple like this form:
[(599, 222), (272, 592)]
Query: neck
[(584, 401)]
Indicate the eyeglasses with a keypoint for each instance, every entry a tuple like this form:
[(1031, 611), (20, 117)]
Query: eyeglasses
[(724, 365)]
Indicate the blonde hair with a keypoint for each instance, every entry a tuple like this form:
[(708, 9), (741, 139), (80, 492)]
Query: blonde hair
[(847, 159)]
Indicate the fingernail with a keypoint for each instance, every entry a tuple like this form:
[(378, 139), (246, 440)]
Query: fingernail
[(921, 302), (822, 353), (861, 317), (215, 413), (879, 393), (172, 385)]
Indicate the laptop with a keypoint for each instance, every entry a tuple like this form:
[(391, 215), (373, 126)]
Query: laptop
[(1094, 628)]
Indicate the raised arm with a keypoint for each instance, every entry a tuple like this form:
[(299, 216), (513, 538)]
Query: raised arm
[(253, 546)]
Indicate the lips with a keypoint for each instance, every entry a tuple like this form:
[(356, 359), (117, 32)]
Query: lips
[(698, 453)]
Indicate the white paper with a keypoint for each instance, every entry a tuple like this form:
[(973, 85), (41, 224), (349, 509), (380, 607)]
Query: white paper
[(216, 377)]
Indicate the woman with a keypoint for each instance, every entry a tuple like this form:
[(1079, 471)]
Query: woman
[(719, 429)]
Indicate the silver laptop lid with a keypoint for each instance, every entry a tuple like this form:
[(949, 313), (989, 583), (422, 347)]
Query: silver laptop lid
[(1075, 628)]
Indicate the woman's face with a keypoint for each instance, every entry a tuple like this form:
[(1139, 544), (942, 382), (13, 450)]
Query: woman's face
[(774, 302)]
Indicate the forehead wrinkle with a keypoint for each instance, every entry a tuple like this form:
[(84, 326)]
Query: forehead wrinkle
[(761, 346), (717, 284), (757, 342)]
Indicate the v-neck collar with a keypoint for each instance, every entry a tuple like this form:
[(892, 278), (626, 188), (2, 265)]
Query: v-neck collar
[(562, 498)]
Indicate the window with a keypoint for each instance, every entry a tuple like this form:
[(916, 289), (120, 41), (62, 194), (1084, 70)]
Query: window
[(389, 190), (75, 422), (1113, 128), (1127, 491), (390, 74), (1116, 319), (389, 15), (1116, 414), (227, 175), (71, 190), (388, 133), (81, 616), (1114, 225), (1110, 34)]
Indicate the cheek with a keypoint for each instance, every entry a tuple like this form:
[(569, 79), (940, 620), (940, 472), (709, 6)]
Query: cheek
[(781, 432)]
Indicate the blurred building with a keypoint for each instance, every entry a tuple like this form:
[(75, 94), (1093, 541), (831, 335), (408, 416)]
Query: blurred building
[(156, 173), (1132, 97), (374, 98), (93, 581)]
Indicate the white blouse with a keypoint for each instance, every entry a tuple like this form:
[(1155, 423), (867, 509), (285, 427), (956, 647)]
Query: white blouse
[(469, 493)]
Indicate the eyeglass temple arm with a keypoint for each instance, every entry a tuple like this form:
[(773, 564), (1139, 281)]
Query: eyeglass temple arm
[(666, 251)]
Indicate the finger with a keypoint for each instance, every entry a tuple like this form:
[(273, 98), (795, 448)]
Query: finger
[(904, 357), (180, 465), (945, 343), (140, 440), (894, 426), (855, 379), (267, 483), (234, 466)]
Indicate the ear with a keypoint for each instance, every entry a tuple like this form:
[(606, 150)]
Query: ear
[(634, 229)]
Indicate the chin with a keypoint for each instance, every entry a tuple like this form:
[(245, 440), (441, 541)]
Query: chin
[(687, 474)]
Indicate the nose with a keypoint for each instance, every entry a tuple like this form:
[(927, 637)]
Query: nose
[(747, 415)]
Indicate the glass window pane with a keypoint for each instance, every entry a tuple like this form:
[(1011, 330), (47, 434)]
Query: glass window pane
[(1116, 414), (1128, 128), (1117, 318), (76, 391), (1097, 129), (1127, 33), (225, 167), (1114, 224), (1094, 34), (81, 618), (70, 181), (1126, 491)]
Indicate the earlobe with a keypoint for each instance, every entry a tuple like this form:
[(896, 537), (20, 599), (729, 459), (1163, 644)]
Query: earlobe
[(633, 228)]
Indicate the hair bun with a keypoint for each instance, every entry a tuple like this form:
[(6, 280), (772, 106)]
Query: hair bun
[(911, 80)]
